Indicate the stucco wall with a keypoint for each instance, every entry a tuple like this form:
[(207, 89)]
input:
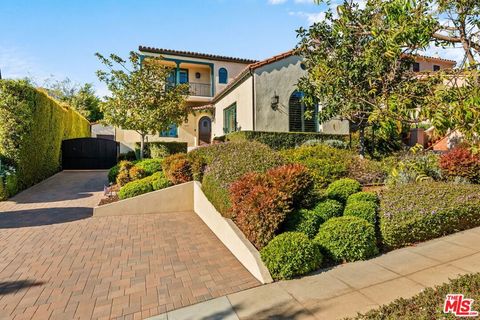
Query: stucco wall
[(278, 78), (281, 78), (187, 132), (242, 96), (427, 64)]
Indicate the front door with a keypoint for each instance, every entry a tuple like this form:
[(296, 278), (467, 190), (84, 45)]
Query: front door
[(204, 130)]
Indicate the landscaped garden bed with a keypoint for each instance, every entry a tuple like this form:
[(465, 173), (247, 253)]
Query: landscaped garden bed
[(430, 302), (306, 208)]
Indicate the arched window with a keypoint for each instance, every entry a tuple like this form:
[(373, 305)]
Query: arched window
[(296, 115), (222, 75)]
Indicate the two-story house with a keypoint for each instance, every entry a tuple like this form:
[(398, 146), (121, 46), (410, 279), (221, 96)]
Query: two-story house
[(206, 74), (229, 94)]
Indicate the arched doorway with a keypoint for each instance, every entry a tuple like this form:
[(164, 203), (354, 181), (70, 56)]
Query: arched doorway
[(204, 130)]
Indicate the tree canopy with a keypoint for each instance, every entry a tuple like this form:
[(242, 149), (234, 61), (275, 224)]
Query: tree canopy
[(80, 97), (141, 98), (358, 62)]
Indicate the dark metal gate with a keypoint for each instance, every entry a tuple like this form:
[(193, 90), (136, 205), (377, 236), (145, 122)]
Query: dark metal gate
[(89, 153)]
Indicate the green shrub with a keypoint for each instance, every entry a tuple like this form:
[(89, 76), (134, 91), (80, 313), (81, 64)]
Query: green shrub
[(429, 303), (362, 209), (123, 176), (159, 151), (11, 184), (150, 166), (260, 202), (415, 166), (177, 168), (326, 164), (364, 196), (328, 209), (136, 173), (291, 254), (231, 161), (135, 188), (159, 147), (339, 144), (347, 239), (113, 173), (412, 213), (341, 189), (306, 221), (3, 191), (279, 140), (32, 128), (159, 181)]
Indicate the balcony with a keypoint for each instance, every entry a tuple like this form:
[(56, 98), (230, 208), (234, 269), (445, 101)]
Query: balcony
[(200, 89)]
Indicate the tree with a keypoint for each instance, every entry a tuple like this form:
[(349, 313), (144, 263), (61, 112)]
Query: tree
[(141, 97), (458, 23), (358, 62), (81, 98)]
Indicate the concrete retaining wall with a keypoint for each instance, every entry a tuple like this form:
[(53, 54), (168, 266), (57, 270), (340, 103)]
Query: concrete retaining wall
[(178, 198), (189, 197)]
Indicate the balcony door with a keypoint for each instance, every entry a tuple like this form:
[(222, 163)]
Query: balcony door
[(204, 130)]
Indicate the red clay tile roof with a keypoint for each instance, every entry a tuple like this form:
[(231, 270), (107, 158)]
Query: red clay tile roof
[(453, 62), (195, 55)]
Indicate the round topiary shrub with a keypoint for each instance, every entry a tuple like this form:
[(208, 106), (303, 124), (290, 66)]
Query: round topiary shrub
[(328, 209), (363, 196), (362, 209), (291, 254), (305, 221), (135, 188), (341, 189), (346, 239)]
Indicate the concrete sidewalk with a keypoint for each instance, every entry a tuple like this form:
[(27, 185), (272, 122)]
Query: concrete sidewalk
[(348, 289)]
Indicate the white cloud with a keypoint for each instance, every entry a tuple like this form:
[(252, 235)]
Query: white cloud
[(15, 64), (311, 17), (276, 1), (304, 1)]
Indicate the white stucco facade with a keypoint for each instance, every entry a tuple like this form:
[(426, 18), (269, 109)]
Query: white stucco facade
[(253, 97)]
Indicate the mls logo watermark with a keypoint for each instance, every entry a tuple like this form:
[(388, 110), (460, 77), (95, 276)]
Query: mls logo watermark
[(459, 306)]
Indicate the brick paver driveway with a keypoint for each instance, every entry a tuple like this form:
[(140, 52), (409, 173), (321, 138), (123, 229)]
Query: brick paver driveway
[(129, 267)]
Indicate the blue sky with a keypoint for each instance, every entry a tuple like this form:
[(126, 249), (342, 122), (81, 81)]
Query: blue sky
[(44, 38)]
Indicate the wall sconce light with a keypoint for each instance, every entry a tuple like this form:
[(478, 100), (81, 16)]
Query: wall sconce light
[(197, 75), (274, 101)]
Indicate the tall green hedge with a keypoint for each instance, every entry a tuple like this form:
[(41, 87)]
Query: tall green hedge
[(280, 140), (32, 128)]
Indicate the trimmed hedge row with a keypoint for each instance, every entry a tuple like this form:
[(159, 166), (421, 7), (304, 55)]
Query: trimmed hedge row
[(161, 148), (417, 212), (430, 302), (280, 140), (32, 128)]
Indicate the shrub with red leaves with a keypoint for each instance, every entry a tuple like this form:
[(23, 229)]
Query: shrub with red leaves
[(177, 168), (461, 162), (260, 202)]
